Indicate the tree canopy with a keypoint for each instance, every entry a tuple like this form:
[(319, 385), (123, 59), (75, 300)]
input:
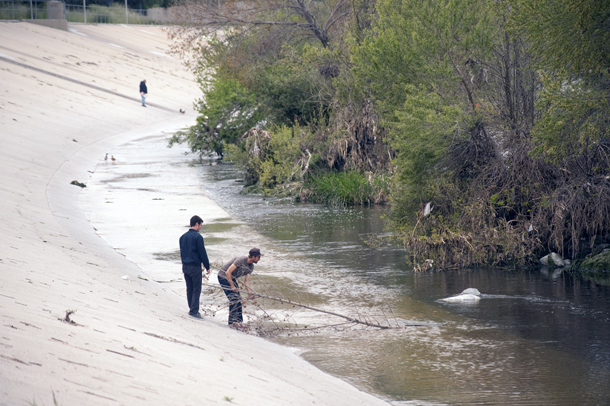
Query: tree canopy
[(495, 112)]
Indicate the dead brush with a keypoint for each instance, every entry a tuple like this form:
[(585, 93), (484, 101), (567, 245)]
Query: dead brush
[(514, 209), (275, 314)]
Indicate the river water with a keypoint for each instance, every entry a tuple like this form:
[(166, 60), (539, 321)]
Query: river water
[(536, 337)]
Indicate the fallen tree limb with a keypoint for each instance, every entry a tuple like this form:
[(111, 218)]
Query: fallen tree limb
[(350, 319)]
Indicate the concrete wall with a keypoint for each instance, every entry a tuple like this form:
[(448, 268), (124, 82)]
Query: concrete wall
[(55, 10), (55, 16), (60, 24), (159, 14)]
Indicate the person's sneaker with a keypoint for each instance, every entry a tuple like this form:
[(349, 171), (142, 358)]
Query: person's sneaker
[(196, 316), (238, 326)]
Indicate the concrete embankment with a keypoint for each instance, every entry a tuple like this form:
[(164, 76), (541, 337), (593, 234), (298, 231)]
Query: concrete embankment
[(66, 99)]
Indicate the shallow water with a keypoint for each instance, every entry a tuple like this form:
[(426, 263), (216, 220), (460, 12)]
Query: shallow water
[(534, 338)]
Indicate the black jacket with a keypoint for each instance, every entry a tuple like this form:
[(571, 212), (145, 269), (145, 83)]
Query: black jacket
[(143, 87), (192, 250)]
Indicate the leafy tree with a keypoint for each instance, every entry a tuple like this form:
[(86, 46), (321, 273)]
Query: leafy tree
[(568, 36), (258, 56), (291, 56), (456, 87), (572, 41), (296, 19), (496, 112), (424, 65), (290, 88), (226, 113), (424, 130)]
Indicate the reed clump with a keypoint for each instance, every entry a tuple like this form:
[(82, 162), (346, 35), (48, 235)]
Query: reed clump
[(346, 188)]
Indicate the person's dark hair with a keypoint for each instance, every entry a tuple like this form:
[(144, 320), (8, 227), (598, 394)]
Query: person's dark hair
[(195, 220), (255, 252)]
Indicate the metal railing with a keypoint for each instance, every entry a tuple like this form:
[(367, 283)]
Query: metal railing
[(21, 10), (93, 14), (114, 14)]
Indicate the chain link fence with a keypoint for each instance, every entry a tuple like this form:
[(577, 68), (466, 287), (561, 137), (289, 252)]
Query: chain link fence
[(21, 10), (114, 14), (92, 14)]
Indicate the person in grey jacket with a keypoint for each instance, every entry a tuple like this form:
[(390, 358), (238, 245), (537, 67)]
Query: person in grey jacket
[(227, 277), (193, 256)]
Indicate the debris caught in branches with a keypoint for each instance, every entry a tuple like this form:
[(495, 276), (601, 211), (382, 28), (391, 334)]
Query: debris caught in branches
[(360, 320)]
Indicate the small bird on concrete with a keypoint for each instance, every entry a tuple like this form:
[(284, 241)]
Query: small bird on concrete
[(113, 158), (182, 111), (106, 157)]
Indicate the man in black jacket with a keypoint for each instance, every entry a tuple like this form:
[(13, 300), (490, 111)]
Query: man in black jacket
[(143, 92), (193, 255)]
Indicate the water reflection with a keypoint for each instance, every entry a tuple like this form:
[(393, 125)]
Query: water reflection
[(535, 338)]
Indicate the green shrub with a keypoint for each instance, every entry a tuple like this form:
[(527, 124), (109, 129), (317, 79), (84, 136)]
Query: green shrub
[(597, 263), (279, 160), (347, 188), (227, 111)]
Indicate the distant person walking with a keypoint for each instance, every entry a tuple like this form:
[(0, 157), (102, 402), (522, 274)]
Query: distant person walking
[(227, 277), (193, 255), (143, 92)]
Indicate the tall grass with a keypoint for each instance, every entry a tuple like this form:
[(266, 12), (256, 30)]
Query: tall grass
[(347, 188)]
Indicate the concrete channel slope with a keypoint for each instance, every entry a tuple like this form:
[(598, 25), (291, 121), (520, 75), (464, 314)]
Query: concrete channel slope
[(76, 323)]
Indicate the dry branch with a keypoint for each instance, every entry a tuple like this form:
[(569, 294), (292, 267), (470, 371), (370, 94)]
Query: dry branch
[(350, 319)]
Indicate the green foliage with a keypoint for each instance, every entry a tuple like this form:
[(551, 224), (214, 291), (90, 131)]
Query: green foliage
[(282, 162), (569, 36), (575, 119), (423, 43), (299, 77), (420, 63), (347, 188), (424, 130), (230, 109), (276, 158), (498, 113), (21, 10), (502, 199), (450, 245), (113, 14), (571, 39), (596, 263), (236, 154), (288, 90), (227, 111)]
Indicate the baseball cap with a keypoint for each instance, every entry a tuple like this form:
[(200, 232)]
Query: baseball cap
[(255, 252)]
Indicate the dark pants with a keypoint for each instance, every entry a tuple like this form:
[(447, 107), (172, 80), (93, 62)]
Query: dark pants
[(235, 313), (193, 279)]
